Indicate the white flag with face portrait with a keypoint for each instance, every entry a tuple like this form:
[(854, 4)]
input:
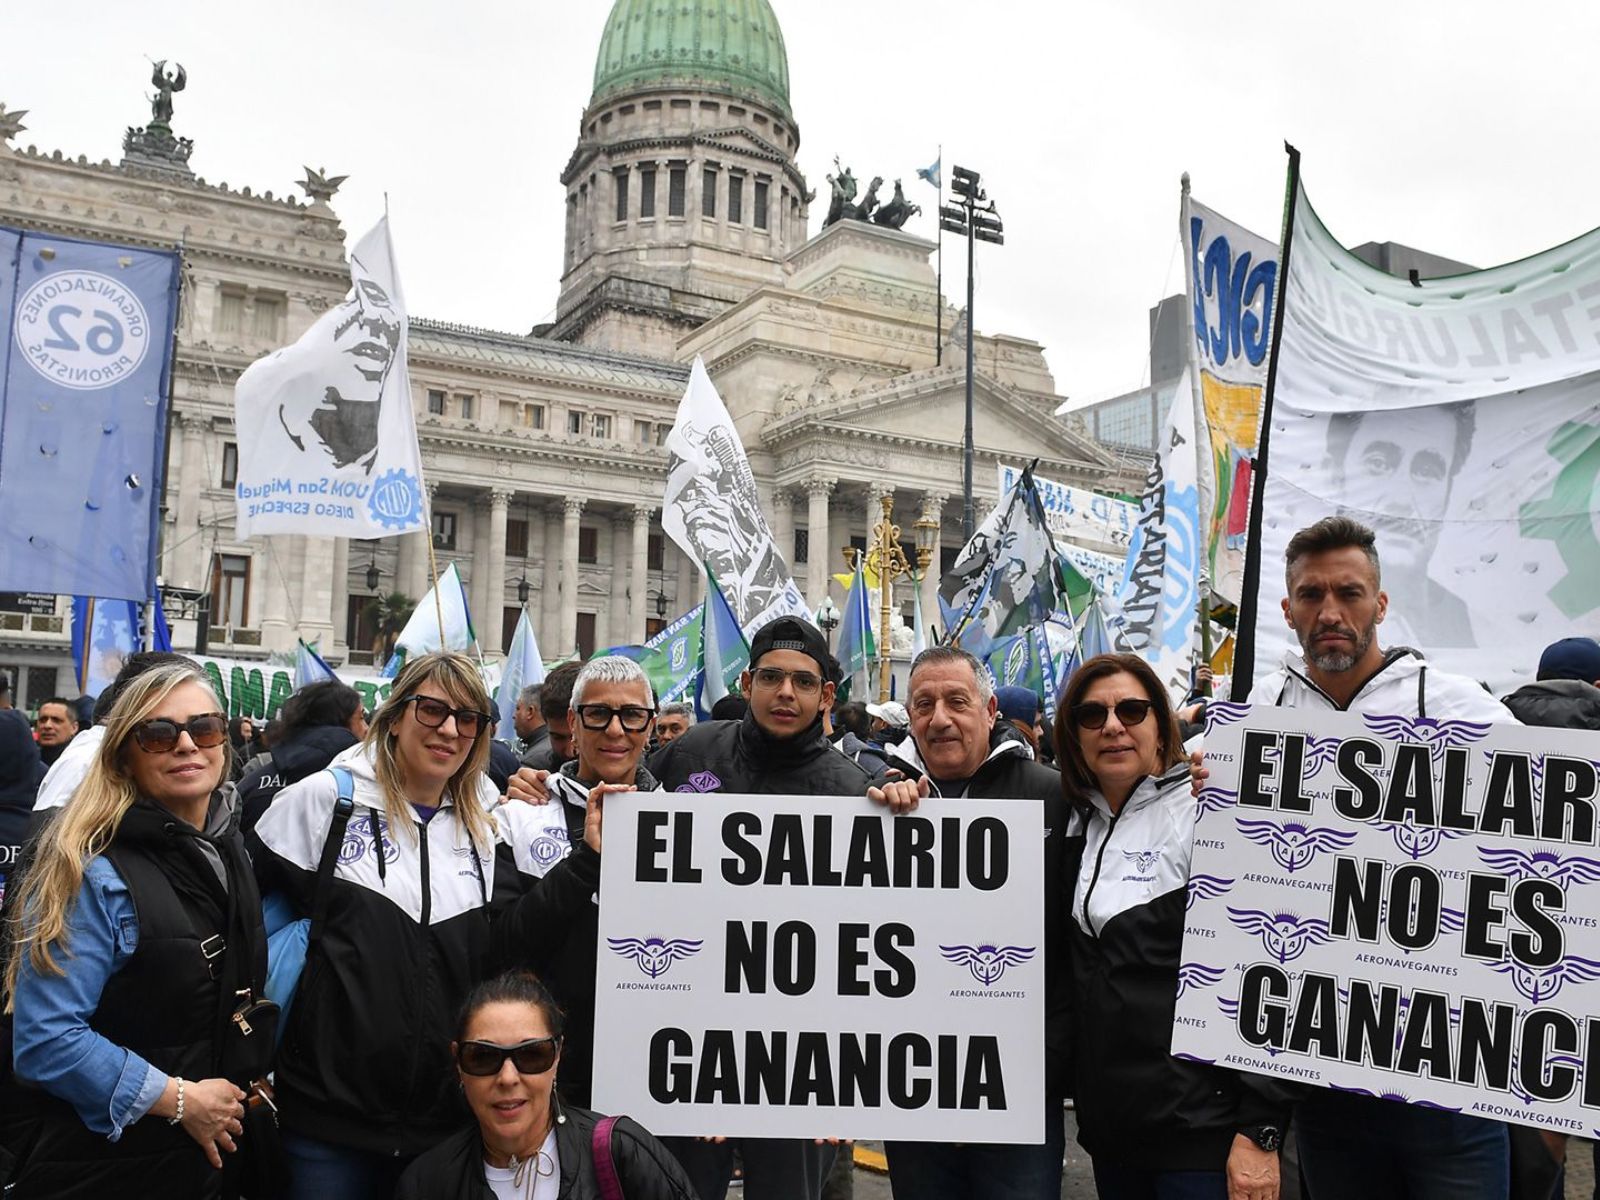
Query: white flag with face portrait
[(327, 437)]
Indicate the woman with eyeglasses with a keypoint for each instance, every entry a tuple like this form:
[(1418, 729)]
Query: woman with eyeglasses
[(524, 1143), (136, 961), (1156, 1127), (415, 881)]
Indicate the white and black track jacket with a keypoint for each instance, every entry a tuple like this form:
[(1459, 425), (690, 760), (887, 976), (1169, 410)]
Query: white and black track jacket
[(1136, 1103), (413, 923)]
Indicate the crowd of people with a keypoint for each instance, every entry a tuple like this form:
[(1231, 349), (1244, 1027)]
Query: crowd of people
[(361, 962)]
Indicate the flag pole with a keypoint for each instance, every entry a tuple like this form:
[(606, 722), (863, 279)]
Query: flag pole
[(1202, 451), (433, 569), (938, 298)]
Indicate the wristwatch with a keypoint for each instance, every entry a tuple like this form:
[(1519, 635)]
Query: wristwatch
[(1268, 1137)]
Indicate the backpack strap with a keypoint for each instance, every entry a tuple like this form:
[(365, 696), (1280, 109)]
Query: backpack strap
[(343, 807), (605, 1168)]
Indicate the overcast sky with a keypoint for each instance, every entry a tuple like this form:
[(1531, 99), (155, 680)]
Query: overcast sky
[(1465, 128)]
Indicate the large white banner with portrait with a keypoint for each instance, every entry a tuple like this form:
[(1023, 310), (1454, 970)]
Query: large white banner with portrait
[(1458, 417), (810, 966), (1399, 907)]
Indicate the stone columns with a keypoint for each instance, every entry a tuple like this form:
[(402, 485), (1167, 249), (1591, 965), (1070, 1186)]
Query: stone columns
[(783, 522), (639, 572), (313, 577), (617, 608), (184, 562), (495, 584), (932, 510), (416, 582), (818, 540), (691, 583), (274, 593), (549, 580), (567, 622), (339, 603)]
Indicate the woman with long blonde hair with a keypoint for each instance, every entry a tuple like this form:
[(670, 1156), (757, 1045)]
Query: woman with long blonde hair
[(364, 1076), (138, 939)]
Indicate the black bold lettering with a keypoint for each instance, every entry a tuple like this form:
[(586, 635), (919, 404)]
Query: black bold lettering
[(1316, 1017), (1362, 799), (852, 958), (1539, 944), (1508, 796), (1261, 1023), (1255, 768), (683, 868), (900, 976), (908, 1052), (786, 851), (671, 1070), (794, 958), (745, 867), (945, 1073), (868, 864), (1372, 1024), (823, 872), (983, 1083), (913, 850), (766, 1066), (1357, 898), (1410, 794), (1485, 914), (1567, 812), (1291, 797), (1425, 1044), (745, 959), (1591, 1064), (651, 843), (861, 1069), (950, 853), (1453, 812), (813, 1072), (1547, 1031), (1484, 1059), (1416, 905), (988, 853), (718, 1082)]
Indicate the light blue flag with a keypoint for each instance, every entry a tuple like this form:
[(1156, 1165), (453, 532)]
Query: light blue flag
[(308, 666), (857, 647), (523, 668), (160, 631), (724, 653), (931, 174), (104, 633)]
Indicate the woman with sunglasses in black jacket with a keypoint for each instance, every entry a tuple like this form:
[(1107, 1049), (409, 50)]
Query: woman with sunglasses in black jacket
[(524, 1144)]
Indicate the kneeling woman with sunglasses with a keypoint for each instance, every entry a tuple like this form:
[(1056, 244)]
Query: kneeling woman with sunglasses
[(1157, 1127), (412, 884), (139, 940), (524, 1143)]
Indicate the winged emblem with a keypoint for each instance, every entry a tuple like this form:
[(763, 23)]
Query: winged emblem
[(1418, 841), (1539, 984), (1198, 975), (1207, 887), (987, 963), (1397, 1097), (1224, 712), (1437, 735), (655, 956), (1285, 936), (1213, 799), (1143, 859), (1565, 869), (1294, 844)]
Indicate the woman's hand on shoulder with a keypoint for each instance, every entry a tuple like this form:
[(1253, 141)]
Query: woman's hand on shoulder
[(528, 786)]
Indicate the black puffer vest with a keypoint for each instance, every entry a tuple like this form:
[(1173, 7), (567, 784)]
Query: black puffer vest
[(171, 1003)]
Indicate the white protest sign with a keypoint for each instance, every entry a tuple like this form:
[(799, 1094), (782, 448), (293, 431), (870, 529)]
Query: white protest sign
[(810, 966), (1399, 907), (1077, 514)]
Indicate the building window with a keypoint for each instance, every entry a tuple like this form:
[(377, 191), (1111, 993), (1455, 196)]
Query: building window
[(647, 192), (653, 626), (762, 188), (655, 551), (661, 434), (676, 176), (435, 403), (230, 464), (267, 323), (802, 545), (41, 685), (735, 199), (588, 544), (464, 406), (602, 425), (508, 624), (360, 633), (621, 179), (230, 312), (575, 423), (516, 538), (641, 432), (533, 416), (585, 635), (708, 192), (230, 590), (444, 531)]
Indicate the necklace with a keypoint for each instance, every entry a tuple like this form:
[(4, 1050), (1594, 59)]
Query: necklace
[(526, 1172)]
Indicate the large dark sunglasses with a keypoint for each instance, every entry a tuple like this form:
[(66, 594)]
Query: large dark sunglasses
[(1091, 714), (159, 735), (634, 717), (532, 1057), (430, 712)]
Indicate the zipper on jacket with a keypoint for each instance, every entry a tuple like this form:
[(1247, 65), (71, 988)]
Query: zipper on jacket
[(427, 960), (1099, 860)]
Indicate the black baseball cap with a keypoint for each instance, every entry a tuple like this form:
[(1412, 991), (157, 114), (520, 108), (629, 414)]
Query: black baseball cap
[(789, 633)]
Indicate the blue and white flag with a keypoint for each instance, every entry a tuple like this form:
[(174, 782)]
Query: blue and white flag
[(931, 174), (523, 668), (327, 436), (309, 666), (444, 623), (1006, 577), (724, 653), (104, 633), (160, 629), (857, 647), (85, 366)]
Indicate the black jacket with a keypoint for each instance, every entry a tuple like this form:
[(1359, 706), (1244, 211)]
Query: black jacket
[(302, 753), (453, 1170), (1563, 703), (21, 771), (1009, 774), (1136, 1104), (739, 756), (536, 747)]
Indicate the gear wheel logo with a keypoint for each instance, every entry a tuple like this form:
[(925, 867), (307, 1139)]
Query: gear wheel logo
[(396, 500), (1569, 516)]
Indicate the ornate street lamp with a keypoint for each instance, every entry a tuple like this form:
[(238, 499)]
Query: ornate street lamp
[(828, 619), (373, 575), (661, 606), (523, 587)]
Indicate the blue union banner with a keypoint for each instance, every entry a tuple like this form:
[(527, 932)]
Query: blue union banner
[(84, 375)]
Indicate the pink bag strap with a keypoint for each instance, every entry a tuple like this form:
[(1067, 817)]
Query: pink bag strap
[(605, 1169)]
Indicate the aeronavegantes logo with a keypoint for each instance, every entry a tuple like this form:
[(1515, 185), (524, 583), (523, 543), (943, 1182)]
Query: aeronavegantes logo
[(82, 330)]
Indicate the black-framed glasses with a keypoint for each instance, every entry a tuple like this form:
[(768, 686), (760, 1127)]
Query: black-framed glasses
[(1091, 714), (805, 682), (532, 1057), (431, 712), (159, 735), (634, 717)]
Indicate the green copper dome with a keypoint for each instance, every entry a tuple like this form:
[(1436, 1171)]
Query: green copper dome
[(730, 46)]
